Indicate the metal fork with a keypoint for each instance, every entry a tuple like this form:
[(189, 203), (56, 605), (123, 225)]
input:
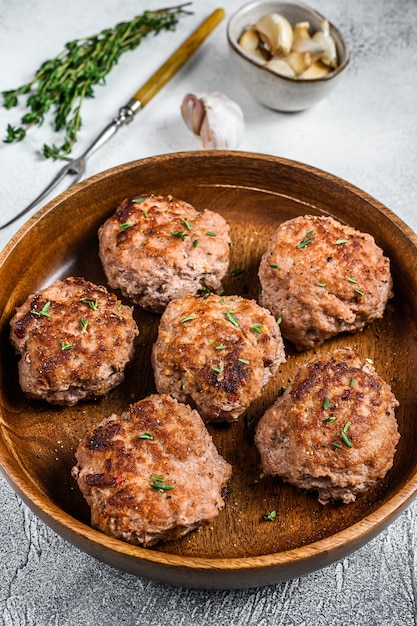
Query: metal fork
[(77, 166)]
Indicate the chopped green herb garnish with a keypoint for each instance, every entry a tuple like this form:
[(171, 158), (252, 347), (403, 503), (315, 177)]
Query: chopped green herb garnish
[(125, 225), (222, 346), (257, 328), (139, 200), (186, 223), (145, 213), (351, 382), (338, 242), (351, 279), (346, 440), (211, 234), (83, 324), (66, 346), (187, 319), (274, 266), (236, 272), (326, 403), (179, 233), (160, 484), (216, 369), (337, 445), (245, 361), (321, 284), (195, 243), (270, 516), (222, 301), (232, 319), (360, 292), (307, 239), (44, 311), (330, 419), (346, 427), (146, 435), (92, 302), (279, 320)]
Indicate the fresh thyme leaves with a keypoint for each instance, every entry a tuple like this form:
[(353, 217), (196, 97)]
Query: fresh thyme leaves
[(66, 346), (146, 435), (159, 483), (245, 361), (221, 346), (92, 302), (257, 328), (232, 319), (62, 83), (125, 225), (83, 324), (326, 403), (330, 419), (211, 234), (217, 369), (195, 243), (187, 319), (139, 200), (270, 516), (43, 312), (186, 223), (339, 242), (308, 238), (179, 233)]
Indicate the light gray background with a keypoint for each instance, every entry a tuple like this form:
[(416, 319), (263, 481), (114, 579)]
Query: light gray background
[(364, 132)]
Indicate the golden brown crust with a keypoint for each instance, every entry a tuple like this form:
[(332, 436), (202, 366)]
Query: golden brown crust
[(75, 339), (216, 353), (151, 474), (333, 430), (323, 278)]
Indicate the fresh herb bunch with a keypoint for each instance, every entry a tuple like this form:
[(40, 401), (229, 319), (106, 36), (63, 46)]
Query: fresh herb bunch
[(64, 81)]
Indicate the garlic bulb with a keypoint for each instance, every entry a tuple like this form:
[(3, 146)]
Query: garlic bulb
[(215, 118)]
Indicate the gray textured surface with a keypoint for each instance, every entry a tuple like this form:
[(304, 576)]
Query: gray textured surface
[(365, 132)]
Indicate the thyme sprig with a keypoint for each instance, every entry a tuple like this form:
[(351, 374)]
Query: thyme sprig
[(64, 81)]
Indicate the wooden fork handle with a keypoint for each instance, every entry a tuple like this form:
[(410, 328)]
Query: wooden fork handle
[(178, 58)]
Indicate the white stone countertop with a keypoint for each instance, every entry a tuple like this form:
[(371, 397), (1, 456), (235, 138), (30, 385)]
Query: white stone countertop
[(364, 132)]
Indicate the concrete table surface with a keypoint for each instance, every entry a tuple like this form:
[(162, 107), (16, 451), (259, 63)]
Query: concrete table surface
[(364, 132)]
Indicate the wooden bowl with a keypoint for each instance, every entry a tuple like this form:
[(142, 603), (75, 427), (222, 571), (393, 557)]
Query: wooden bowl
[(239, 549)]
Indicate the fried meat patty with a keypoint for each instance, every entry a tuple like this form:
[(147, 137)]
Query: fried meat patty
[(323, 278), (216, 353), (333, 430), (157, 248), (152, 473), (75, 339)]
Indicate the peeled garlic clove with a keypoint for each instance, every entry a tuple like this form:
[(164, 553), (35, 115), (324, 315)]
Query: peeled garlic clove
[(303, 42), (316, 70), (249, 40), (324, 38), (279, 66), (276, 32), (215, 118), (299, 61), (250, 43)]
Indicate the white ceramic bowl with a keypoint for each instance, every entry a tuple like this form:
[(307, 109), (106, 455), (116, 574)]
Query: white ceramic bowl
[(274, 91)]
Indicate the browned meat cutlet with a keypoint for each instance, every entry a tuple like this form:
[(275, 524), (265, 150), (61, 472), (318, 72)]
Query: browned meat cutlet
[(333, 430), (75, 340), (217, 353), (152, 473), (157, 248), (323, 278)]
